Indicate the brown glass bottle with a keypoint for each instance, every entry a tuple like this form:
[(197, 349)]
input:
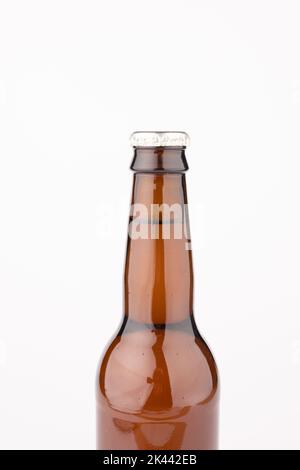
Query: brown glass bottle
[(157, 384)]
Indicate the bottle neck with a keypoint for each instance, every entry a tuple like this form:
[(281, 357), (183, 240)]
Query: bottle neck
[(158, 269)]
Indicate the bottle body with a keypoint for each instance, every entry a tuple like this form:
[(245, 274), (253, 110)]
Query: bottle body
[(159, 390), (157, 383)]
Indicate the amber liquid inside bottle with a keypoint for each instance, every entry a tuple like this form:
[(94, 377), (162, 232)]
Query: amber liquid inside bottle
[(157, 384)]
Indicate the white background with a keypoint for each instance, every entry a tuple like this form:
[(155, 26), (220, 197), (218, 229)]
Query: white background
[(76, 78)]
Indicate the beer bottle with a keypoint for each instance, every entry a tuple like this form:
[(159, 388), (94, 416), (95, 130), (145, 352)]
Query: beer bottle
[(157, 383)]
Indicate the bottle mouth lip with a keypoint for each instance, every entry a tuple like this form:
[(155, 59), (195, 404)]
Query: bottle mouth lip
[(159, 139)]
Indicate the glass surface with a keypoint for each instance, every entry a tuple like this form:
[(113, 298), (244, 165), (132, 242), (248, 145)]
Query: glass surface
[(157, 386)]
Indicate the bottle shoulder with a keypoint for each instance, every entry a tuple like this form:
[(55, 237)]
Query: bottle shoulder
[(156, 369)]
